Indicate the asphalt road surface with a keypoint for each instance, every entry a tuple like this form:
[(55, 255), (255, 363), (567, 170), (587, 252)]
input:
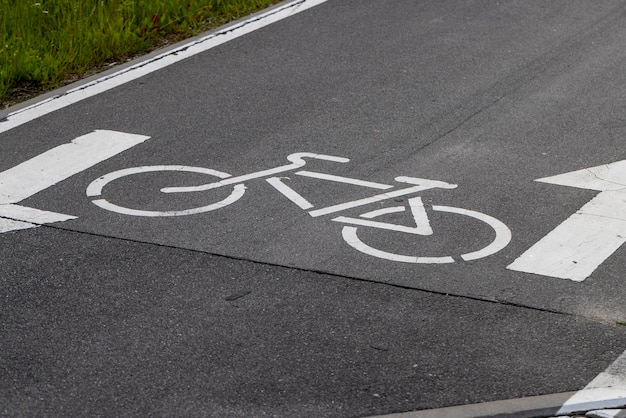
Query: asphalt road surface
[(335, 208)]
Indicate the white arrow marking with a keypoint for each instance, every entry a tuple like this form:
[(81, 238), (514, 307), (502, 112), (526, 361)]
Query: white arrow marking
[(47, 169), (575, 248)]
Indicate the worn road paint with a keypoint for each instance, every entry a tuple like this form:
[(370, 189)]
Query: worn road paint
[(53, 166), (158, 62), (575, 248), (607, 390)]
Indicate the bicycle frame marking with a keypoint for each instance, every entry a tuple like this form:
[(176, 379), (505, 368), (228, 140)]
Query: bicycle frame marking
[(296, 162), (289, 193), (422, 185), (417, 210)]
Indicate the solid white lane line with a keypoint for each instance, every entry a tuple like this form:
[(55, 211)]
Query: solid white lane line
[(142, 68), (51, 167), (59, 163), (36, 216), (7, 225)]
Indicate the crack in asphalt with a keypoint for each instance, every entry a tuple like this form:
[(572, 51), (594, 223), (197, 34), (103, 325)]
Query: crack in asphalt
[(335, 275)]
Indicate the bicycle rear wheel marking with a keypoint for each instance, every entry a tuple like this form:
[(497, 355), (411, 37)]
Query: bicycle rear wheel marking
[(95, 189)]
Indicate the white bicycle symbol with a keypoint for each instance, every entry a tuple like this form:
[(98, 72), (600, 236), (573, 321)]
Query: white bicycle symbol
[(349, 232)]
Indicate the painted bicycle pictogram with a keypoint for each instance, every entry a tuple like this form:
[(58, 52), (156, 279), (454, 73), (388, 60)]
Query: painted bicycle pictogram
[(350, 231)]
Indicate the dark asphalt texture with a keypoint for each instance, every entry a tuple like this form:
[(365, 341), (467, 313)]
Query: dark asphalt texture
[(259, 309)]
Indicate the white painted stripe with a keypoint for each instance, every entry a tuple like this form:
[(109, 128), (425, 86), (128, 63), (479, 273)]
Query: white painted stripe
[(36, 216), (57, 164), (575, 248), (7, 225), (142, 68), (347, 180), (607, 390), (289, 193), (606, 413), (601, 178)]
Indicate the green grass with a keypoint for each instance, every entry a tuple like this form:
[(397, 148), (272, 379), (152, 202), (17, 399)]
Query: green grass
[(44, 42)]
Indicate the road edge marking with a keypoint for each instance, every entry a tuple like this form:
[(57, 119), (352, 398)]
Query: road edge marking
[(151, 64), (532, 406)]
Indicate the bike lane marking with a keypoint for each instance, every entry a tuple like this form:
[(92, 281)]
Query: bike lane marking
[(144, 67), (53, 166)]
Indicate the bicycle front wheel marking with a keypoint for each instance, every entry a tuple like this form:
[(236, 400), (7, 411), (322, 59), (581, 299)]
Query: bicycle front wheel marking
[(95, 189), (502, 239)]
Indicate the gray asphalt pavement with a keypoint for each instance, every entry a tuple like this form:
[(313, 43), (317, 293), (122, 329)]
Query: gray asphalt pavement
[(372, 239)]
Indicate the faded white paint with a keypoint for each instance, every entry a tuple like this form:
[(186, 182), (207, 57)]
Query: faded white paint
[(607, 390)]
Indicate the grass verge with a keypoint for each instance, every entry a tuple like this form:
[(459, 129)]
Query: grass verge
[(46, 43)]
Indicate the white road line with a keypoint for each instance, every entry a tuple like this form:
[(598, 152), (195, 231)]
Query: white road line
[(59, 163), (47, 169), (26, 214), (142, 68), (607, 390), (575, 248), (7, 225)]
